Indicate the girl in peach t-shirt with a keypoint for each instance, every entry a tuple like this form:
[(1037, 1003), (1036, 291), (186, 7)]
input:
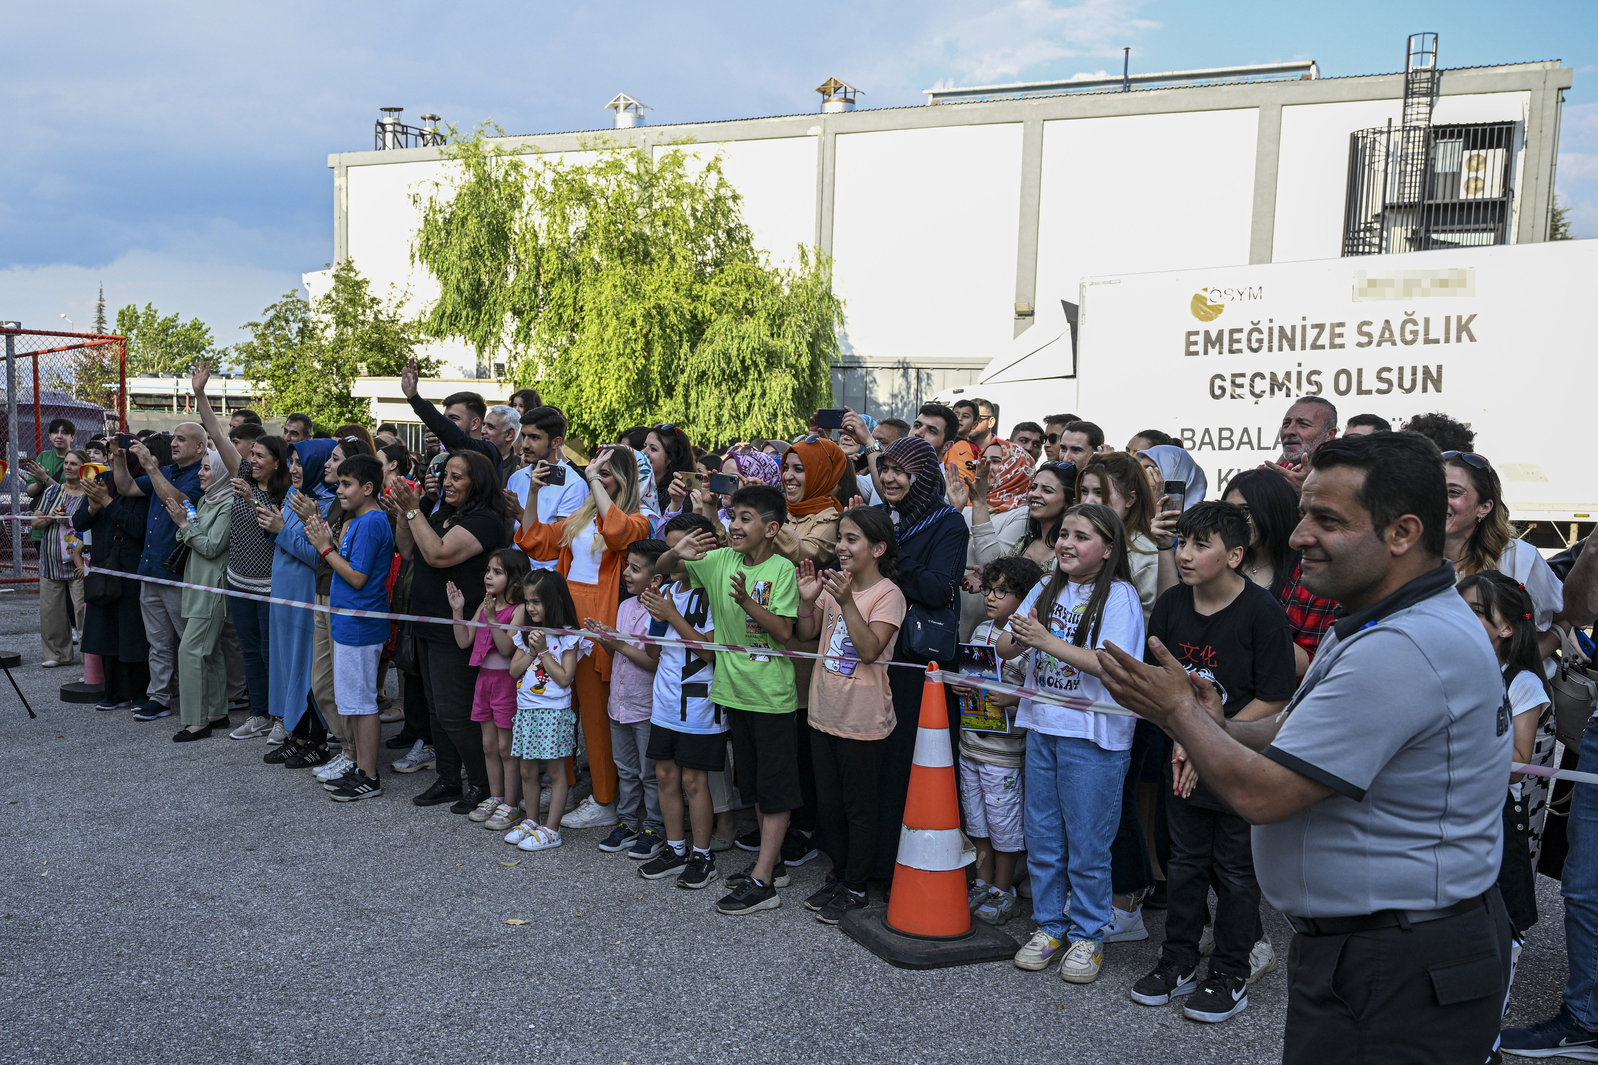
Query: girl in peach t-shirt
[(857, 613)]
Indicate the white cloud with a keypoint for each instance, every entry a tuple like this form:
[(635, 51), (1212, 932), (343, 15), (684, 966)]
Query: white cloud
[(1017, 36)]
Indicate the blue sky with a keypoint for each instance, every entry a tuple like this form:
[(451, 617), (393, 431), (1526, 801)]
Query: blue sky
[(177, 151)]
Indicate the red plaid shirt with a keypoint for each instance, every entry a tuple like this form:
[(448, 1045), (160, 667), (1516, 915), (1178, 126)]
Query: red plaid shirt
[(1308, 616)]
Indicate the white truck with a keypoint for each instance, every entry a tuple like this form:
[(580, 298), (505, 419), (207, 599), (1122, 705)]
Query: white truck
[(1497, 337)]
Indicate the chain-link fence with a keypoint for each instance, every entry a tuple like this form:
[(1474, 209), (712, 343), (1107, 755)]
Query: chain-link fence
[(49, 376)]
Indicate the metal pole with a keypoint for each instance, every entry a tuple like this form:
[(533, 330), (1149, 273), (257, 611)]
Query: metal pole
[(1126, 69), (11, 449)]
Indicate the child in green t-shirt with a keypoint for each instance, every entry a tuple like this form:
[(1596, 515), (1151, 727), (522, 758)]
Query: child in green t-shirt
[(754, 599)]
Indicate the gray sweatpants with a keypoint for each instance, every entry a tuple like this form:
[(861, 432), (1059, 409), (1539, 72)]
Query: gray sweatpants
[(637, 796)]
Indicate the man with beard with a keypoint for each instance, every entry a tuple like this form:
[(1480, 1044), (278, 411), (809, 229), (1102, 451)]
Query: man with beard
[(1377, 795), (1307, 425)]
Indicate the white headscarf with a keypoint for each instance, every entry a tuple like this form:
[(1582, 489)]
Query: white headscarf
[(1177, 465), (221, 483)]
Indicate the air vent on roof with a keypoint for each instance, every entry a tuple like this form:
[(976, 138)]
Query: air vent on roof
[(629, 112), (837, 96)]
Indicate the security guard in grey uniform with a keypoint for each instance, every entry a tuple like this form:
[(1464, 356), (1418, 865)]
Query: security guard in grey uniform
[(1377, 794)]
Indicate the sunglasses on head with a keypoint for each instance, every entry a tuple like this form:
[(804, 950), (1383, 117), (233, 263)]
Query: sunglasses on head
[(1470, 458)]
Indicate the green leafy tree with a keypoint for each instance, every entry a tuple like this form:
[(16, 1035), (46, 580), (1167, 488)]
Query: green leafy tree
[(305, 355), (1559, 222), (99, 312), (159, 344), (627, 290)]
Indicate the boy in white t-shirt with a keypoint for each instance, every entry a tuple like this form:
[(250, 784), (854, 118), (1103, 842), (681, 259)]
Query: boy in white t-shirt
[(687, 731), (992, 781)]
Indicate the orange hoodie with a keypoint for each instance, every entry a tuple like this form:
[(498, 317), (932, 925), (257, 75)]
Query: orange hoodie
[(541, 540)]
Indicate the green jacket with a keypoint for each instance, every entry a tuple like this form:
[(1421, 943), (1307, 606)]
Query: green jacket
[(208, 541)]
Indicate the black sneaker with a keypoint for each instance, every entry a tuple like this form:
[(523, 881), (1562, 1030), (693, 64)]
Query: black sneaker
[(749, 896), (470, 799), (779, 875), (698, 873), (749, 841), (797, 848), (402, 742), (309, 757), (360, 786), (441, 792), (823, 895), (1166, 982), (292, 747), (663, 864), (1217, 998), (621, 837), (148, 711), (842, 903), (110, 702)]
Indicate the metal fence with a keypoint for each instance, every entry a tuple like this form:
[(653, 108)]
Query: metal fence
[(1420, 188), (81, 377)]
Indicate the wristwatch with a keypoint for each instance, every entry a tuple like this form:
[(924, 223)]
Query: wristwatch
[(874, 448), (410, 515)]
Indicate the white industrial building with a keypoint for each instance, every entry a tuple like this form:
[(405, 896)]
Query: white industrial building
[(954, 227)]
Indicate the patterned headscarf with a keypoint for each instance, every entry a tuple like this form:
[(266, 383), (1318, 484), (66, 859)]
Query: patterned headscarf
[(926, 495), (824, 463), (648, 501), (1009, 479), (757, 465)]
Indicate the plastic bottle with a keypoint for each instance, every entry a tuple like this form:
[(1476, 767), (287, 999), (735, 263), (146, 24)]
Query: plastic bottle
[(188, 509)]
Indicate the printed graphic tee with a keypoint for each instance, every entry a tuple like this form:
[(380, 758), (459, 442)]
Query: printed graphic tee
[(1122, 625), (749, 680), (850, 698)]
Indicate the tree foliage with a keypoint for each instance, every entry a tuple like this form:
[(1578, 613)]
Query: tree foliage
[(1559, 222), (159, 344), (627, 290), (306, 354)]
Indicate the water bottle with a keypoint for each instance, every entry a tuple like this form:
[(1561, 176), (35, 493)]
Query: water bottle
[(188, 509)]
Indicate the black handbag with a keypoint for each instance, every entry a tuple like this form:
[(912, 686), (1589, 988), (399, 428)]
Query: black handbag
[(178, 559), (102, 589), (405, 657), (932, 635)]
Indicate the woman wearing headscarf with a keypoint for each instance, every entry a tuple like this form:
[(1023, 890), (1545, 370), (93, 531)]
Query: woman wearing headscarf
[(294, 565), (931, 538), (202, 669), (745, 463), (1167, 462), (811, 470), (114, 630)]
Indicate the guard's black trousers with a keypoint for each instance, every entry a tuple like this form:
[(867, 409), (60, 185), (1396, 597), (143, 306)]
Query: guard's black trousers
[(1434, 993)]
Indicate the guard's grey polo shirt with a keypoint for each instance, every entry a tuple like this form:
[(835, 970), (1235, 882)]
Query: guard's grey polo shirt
[(1403, 716)]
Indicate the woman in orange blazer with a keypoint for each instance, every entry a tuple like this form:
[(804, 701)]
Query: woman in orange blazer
[(590, 550)]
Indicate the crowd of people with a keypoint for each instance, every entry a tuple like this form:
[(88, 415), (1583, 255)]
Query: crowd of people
[(882, 548)]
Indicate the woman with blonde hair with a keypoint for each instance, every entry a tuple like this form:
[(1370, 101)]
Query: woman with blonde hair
[(589, 549), (1479, 536)]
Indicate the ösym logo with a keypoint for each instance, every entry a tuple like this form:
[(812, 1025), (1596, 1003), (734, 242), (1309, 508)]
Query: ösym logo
[(1203, 309)]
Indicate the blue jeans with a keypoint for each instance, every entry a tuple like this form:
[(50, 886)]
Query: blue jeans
[(1580, 889), (1073, 807), (253, 622)]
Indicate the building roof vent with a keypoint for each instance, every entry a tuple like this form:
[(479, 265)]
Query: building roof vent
[(629, 112), (837, 96), (390, 133)]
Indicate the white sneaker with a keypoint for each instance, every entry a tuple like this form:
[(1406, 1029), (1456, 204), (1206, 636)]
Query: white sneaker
[(278, 734), (1081, 962), (542, 839), (522, 831), (589, 814), (1125, 927), (485, 809), (252, 727), (1038, 952), (418, 758), (1261, 959), (51, 663), (340, 765)]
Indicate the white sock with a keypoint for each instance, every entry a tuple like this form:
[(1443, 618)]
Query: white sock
[(679, 847), (702, 852)]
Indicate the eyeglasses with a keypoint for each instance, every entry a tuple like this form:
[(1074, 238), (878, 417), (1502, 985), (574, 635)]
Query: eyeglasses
[(989, 592), (1470, 458)]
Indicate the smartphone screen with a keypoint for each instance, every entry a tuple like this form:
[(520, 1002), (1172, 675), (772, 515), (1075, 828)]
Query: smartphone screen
[(1175, 495)]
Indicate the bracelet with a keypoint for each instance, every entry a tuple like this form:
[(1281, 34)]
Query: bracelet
[(325, 551), (811, 614)]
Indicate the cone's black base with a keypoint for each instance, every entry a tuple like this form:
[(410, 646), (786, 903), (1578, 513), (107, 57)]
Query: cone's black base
[(869, 928), (80, 692)]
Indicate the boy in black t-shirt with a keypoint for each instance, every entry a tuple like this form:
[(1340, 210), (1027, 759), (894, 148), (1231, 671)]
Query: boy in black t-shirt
[(1232, 633)]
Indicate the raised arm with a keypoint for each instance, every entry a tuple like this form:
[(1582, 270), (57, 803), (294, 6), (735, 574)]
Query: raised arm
[(450, 435), (213, 426)]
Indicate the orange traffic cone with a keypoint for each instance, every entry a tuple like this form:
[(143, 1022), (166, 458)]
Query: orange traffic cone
[(927, 923)]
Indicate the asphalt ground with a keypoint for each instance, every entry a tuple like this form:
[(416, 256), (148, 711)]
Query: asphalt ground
[(173, 903)]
